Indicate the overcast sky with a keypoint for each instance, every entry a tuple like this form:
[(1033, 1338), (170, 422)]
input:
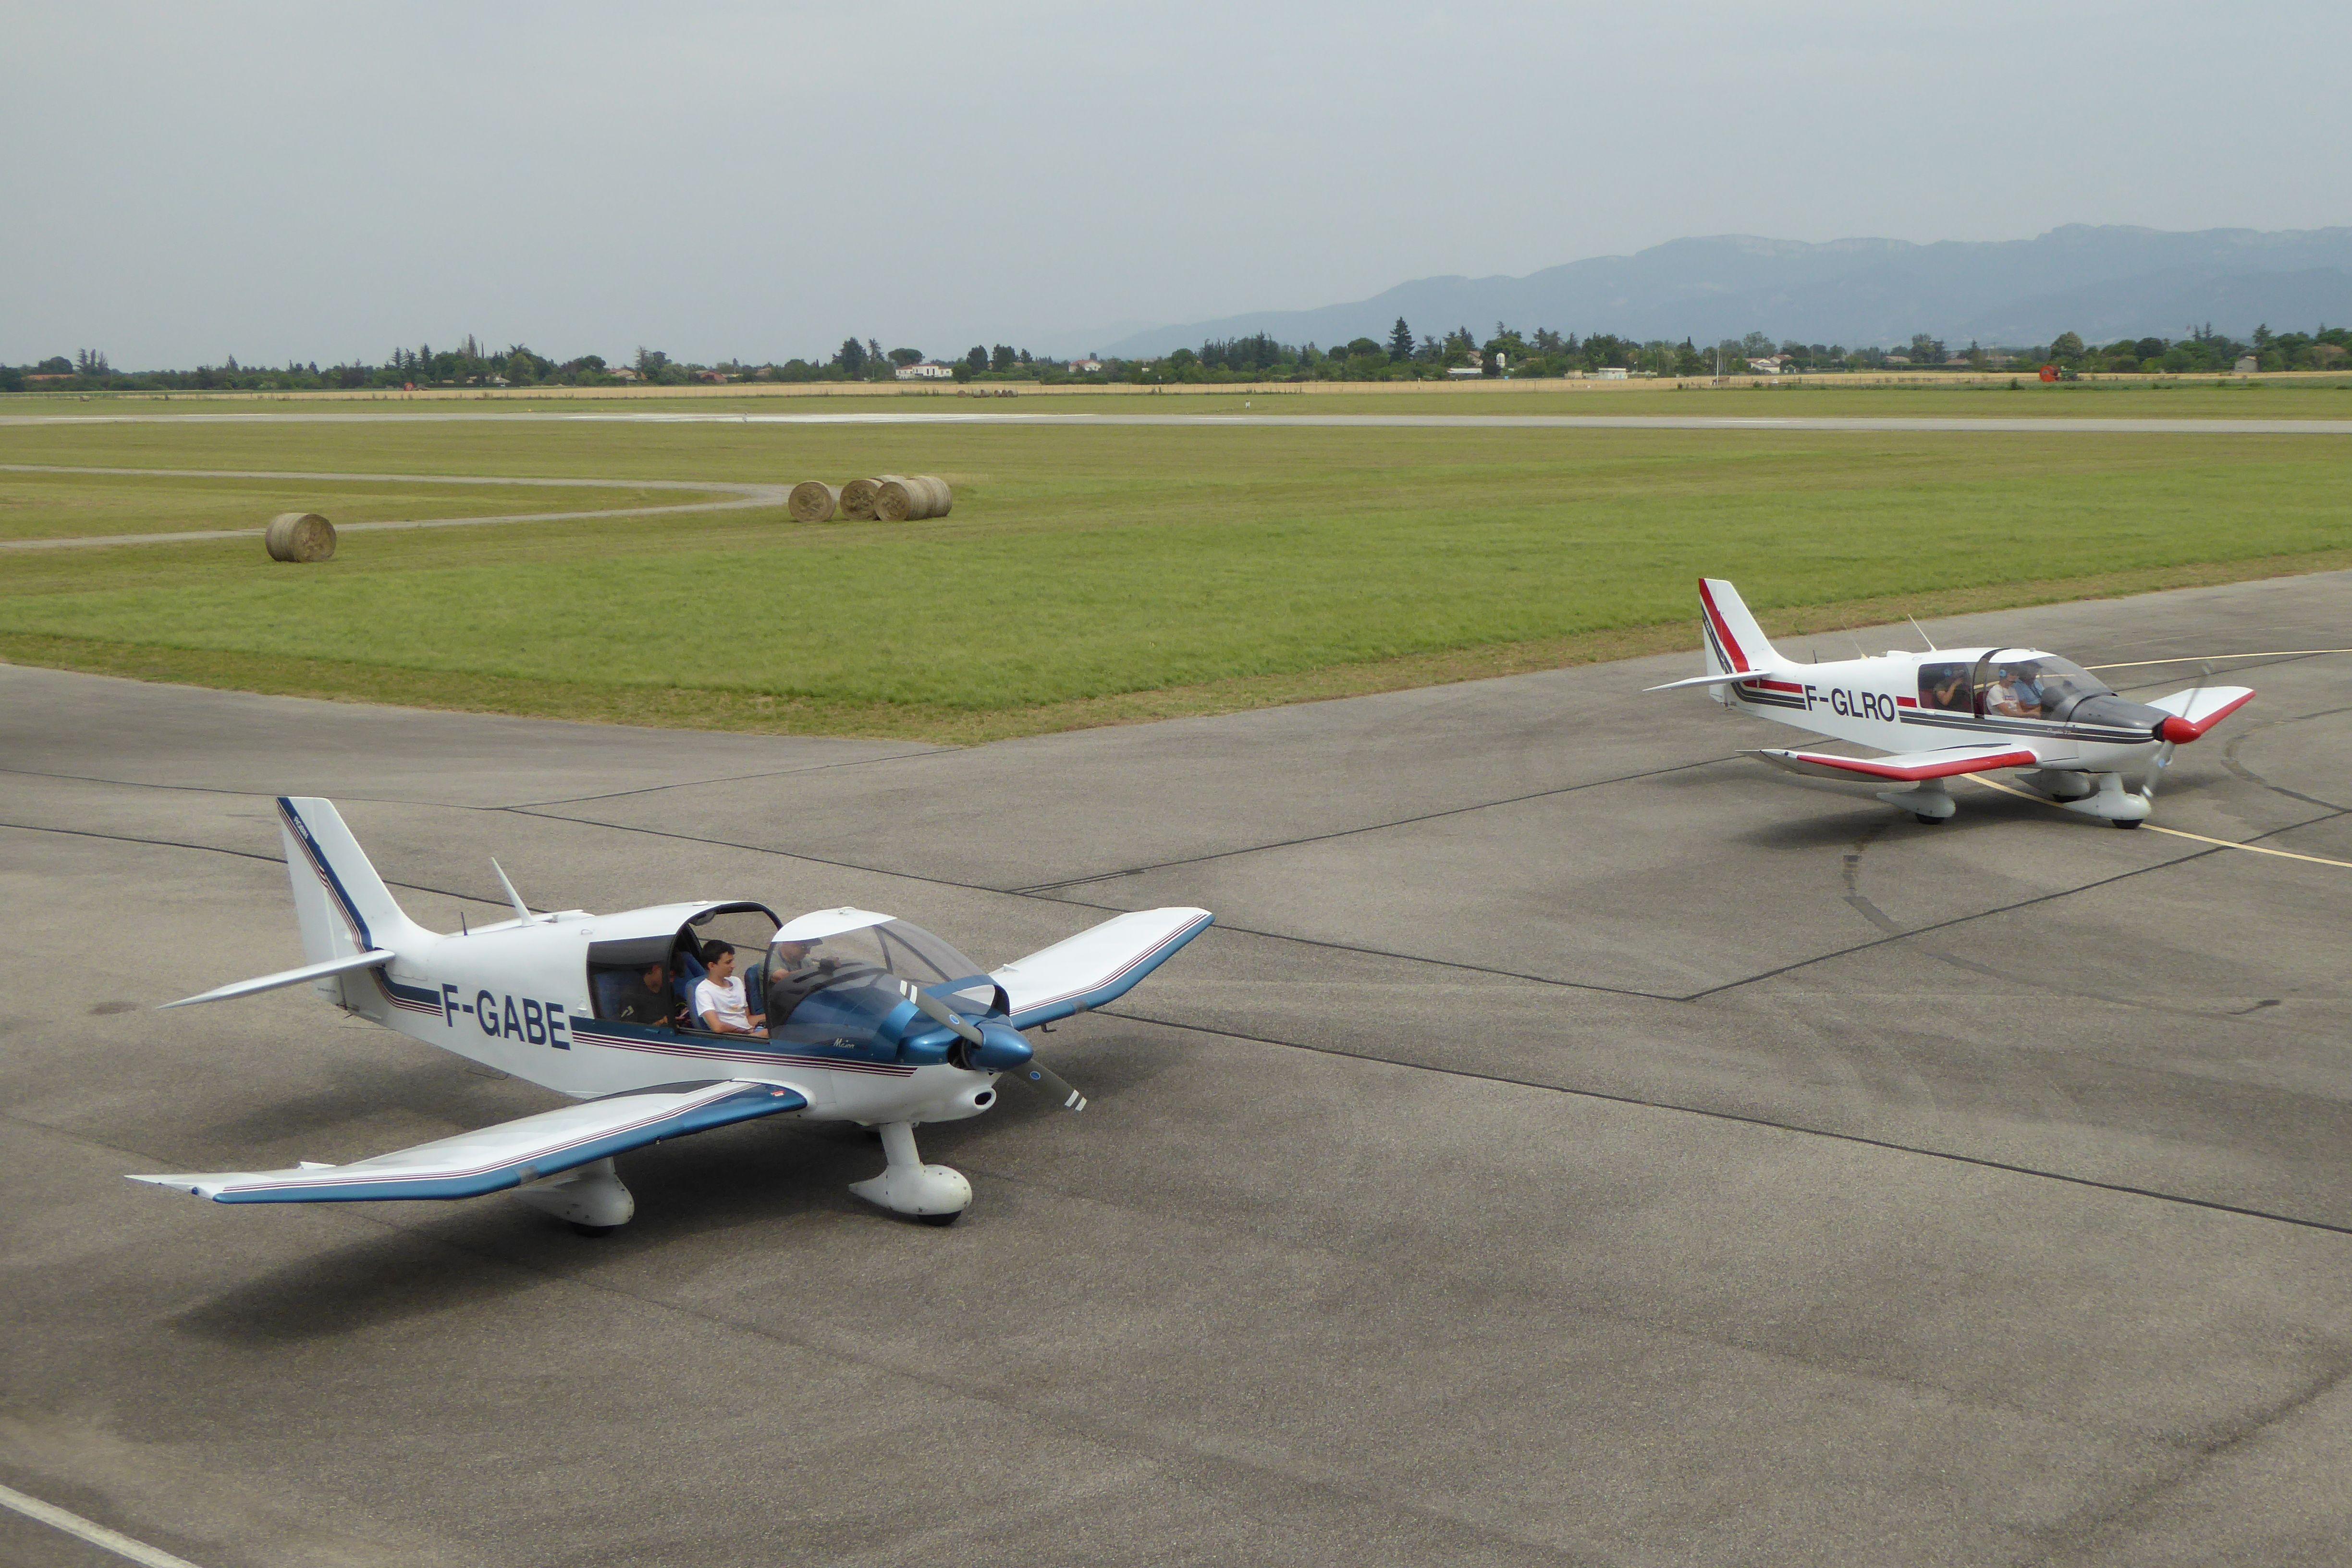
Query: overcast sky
[(182, 183)]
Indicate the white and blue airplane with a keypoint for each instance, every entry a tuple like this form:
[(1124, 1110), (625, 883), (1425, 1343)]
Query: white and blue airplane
[(1950, 711), (862, 1019)]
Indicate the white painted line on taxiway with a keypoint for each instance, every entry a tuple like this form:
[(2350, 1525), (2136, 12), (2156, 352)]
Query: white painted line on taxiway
[(98, 1535)]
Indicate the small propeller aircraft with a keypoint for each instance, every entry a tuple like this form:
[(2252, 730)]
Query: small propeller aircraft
[(847, 1015), (1950, 711)]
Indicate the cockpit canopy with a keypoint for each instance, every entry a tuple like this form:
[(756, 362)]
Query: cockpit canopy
[(2009, 683), (832, 977)]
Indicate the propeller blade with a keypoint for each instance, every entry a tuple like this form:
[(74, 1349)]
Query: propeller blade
[(1043, 1077), (2164, 752), (939, 1012)]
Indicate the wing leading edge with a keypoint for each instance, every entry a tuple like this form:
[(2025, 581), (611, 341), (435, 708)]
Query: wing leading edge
[(507, 1155), (1095, 967), (1911, 767)]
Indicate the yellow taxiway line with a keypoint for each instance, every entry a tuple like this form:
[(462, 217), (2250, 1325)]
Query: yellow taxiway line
[(2174, 832)]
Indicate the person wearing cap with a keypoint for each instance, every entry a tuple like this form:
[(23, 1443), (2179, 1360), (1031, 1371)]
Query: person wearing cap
[(792, 976)]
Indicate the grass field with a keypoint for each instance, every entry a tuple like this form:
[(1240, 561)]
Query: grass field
[(60, 506), (1095, 574)]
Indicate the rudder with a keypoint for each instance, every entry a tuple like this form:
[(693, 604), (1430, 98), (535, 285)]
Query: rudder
[(1735, 643), (342, 905)]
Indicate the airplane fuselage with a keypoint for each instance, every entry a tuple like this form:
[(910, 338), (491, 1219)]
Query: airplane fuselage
[(514, 997), (1885, 703)]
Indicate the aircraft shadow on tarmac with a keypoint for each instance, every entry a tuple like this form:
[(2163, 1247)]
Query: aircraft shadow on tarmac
[(732, 1180)]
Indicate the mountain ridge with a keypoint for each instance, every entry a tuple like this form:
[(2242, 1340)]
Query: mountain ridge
[(2104, 281)]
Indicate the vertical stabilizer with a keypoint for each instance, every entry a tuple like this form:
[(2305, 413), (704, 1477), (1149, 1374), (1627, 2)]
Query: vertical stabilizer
[(343, 905), (1735, 643)]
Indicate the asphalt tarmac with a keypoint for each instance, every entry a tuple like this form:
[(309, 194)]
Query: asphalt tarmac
[(1576, 1144)]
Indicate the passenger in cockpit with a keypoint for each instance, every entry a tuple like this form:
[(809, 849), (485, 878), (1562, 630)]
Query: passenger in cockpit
[(719, 1000), (644, 999), (2012, 698)]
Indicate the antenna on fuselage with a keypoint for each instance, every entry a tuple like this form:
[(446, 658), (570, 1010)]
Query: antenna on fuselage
[(522, 913), (1922, 635)]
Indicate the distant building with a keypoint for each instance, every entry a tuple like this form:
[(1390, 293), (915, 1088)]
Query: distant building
[(1896, 359), (623, 372), (712, 376), (2248, 365), (1759, 366), (1463, 372), (1610, 373), (1087, 366), (927, 371)]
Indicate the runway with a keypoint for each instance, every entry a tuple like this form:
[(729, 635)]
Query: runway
[(1575, 1143)]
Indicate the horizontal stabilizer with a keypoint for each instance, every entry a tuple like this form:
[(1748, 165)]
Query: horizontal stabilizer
[(286, 977), (507, 1155), (1095, 967), (2202, 708), (1906, 767), (1725, 678)]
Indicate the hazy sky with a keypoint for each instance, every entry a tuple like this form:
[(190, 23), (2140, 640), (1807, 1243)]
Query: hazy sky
[(185, 182)]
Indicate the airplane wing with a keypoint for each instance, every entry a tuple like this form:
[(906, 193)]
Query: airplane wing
[(2202, 707), (1907, 766), (506, 1155), (1095, 967)]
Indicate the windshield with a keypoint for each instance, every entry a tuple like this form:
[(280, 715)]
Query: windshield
[(2040, 687), (837, 989), (2045, 687)]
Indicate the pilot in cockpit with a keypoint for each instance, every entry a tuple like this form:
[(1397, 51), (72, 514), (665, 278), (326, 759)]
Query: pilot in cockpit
[(793, 973)]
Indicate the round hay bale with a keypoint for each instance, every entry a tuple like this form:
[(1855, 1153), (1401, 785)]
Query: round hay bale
[(858, 498), (902, 500), (302, 536), (911, 499), (813, 502)]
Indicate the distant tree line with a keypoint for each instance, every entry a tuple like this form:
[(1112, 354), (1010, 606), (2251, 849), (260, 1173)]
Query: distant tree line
[(1403, 356)]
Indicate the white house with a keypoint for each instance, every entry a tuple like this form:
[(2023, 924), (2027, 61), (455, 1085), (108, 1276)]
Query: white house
[(1610, 372), (927, 371), (1084, 366), (1765, 366)]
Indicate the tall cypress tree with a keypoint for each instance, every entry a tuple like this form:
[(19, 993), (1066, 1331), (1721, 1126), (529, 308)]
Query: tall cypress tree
[(1399, 341)]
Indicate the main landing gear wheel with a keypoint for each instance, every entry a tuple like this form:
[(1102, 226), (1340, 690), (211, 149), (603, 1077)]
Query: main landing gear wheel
[(580, 1230), (2125, 821), (941, 1220), (1926, 819)]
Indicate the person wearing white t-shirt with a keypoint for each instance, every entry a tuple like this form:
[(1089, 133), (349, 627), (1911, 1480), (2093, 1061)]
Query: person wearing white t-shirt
[(718, 999)]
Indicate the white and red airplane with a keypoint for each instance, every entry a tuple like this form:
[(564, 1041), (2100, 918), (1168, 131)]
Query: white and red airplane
[(1950, 711)]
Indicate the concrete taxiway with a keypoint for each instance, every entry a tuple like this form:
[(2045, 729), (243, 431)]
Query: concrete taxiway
[(1575, 1143)]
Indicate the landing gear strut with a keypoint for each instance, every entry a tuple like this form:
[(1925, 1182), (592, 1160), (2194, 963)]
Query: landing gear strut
[(592, 1199), (1928, 801), (932, 1193)]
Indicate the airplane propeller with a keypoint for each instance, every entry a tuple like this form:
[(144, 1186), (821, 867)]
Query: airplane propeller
[(994, 1049), (2164, 750)]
